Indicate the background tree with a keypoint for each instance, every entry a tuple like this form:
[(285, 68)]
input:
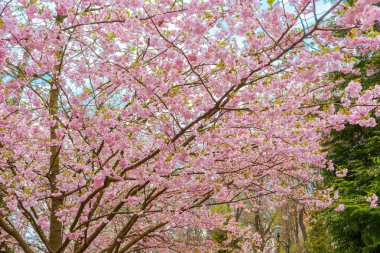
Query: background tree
[(355, 151)]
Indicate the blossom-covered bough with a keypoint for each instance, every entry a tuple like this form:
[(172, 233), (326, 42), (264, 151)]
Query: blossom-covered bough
[(122, 122)]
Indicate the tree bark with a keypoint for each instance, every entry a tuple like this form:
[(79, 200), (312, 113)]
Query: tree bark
[(296, 224), (55, 236), (15, 234), (258, 223), (302, 225)]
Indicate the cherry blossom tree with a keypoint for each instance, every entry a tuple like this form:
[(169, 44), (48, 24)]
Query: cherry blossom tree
[(122, 122)]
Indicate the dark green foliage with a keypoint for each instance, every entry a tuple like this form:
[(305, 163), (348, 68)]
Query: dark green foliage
[(357, 149), (357, 228), (220, 237)]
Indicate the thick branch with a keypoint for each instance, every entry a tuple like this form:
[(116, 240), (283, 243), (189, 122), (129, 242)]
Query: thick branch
[(16, 236)]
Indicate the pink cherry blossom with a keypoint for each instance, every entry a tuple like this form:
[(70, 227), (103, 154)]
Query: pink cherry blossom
[(342, 173), (373, 200), (340, 208), (124, 123), (353, 89)]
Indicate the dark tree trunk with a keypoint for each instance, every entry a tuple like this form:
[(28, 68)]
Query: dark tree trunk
[(55, 236)]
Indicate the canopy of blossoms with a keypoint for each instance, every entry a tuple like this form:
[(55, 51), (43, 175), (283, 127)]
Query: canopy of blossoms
[(122, 122)]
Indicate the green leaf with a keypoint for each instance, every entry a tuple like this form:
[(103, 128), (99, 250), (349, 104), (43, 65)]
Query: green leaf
[(271, 2)]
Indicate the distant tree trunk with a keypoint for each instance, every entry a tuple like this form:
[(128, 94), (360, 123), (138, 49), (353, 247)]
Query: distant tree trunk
[(302, 225), (296, 225), (288, 223), (239, 211), (258, 226)]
